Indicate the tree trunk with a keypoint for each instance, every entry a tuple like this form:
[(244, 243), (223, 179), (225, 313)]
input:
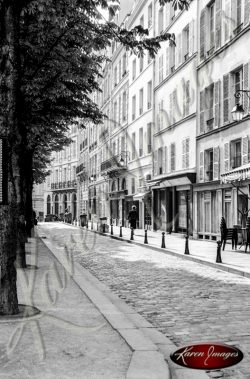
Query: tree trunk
[(10, 213)]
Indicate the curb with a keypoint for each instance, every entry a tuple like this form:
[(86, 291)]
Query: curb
[(218, 266)]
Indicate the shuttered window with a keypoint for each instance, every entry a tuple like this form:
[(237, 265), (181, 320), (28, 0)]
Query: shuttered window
[(216, 163), (247, 12), (245, 150), (218, 23), (201, 166), (202, 111)]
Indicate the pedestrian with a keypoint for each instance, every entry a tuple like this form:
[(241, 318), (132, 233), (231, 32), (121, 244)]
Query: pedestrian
[(132, 217)]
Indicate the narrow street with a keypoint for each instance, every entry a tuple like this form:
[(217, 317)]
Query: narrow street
[(187, 301)]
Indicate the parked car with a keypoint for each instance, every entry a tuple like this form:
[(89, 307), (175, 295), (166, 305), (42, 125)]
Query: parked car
[(50, 217)]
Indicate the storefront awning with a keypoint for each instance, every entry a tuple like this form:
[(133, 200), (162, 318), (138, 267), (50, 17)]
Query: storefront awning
[(140, 196), (237, 174), (175, 180)]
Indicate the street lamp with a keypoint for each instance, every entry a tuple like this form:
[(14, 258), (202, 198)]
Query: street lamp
[(238, 111)]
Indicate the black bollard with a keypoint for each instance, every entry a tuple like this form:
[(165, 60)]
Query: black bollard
[(132, 234), (186, 245), (163, 241), (111, 230), (146, 237), (120, 231), (92, 225), (218, 257), (103, 228)]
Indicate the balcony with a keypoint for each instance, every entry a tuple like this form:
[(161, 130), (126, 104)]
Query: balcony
[(70, 184), (115, 165)]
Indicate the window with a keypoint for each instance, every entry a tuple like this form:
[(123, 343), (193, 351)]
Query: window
[(150, 15), (160, 161), (238, 15), (149, 89), (235, 154), (133, 145), (134, 69), (238, 83), (185, 43), (209, 97), (133, 107), (209, 161), (160, 21), (133, 185), (141, 101), (149, 138), (172, 156), (140, 142), (141, 62)]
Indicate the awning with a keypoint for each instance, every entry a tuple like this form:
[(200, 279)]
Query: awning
[(175, 180), (237, 174), (140, 196)]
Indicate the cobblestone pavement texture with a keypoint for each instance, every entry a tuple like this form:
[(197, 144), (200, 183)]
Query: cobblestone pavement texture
[(187, 301), (69, 339)]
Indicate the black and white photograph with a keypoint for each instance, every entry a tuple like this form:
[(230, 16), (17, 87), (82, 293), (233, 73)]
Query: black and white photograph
[(124, 189)]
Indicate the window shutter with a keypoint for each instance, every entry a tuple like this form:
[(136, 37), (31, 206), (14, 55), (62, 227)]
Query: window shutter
[(167, 14), (161, 114), (167, 62), (247, 12), (216, 163), (183, 153), (202, 111), (227, 21), (187, 95), (244, 150), (183, 97), (226, 157), (163, 160), (202, 34), (217, 104), (180, 49), (226, 98), (172, 155), (187, 152), (245, 86), (191, 38), (171, 108), (218, 24), (201, 166), (177, 52), (155, 163), (166, 159), (175, 106)]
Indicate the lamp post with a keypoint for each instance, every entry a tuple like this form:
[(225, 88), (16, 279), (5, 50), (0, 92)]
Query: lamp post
[(238, 111)]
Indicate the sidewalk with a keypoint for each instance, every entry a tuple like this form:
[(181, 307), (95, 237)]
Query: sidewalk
[(201, 251), (79, 328)]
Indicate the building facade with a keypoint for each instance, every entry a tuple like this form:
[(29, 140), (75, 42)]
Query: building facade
[(61, 185), (169, 144)]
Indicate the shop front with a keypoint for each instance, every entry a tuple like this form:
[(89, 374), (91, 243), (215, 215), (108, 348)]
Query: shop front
[(143, 201), (173, 203), (117, 207), (228, 198)]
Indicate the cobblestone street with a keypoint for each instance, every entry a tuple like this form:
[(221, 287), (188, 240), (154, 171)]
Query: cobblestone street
[(187, 301)]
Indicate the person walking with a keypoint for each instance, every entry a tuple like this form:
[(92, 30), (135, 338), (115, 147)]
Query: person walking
[(132, 217)]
